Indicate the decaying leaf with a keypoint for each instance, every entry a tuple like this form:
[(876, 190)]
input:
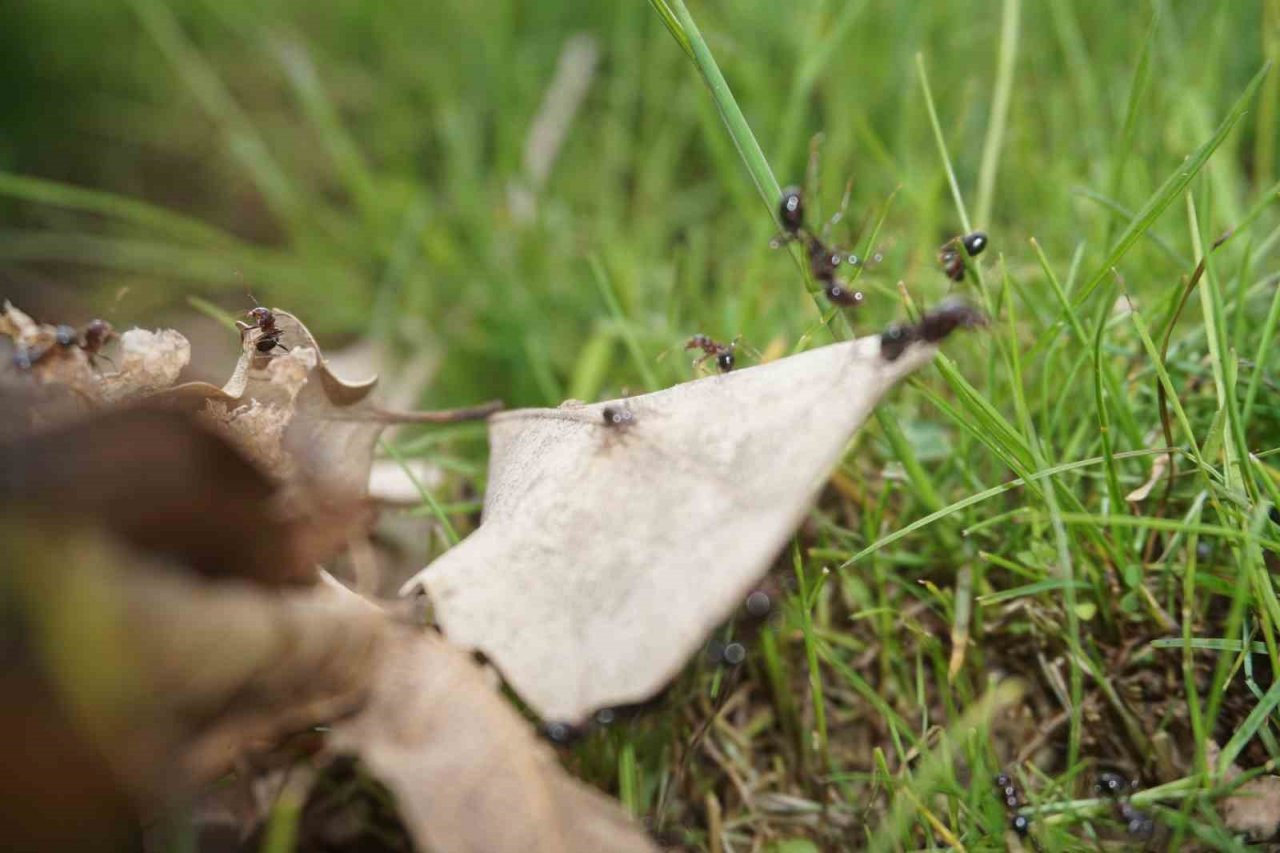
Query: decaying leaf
[(169, 487), (287, 410), (1252, 809), (469, 775), (172, 676), (617, 535), (54, 374)]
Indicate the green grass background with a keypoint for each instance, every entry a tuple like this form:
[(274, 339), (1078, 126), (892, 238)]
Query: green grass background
[(354, 162)]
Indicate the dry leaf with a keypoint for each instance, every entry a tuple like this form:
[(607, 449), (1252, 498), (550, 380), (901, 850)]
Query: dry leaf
[(608, 552), (172, 676), (149, 362), (1254, 807), (288, 411), (53, 378), (167, 486), (468, 774)]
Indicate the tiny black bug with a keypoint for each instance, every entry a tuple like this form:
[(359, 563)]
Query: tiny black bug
[(1021, 824), (1111, 784), (618, 417)]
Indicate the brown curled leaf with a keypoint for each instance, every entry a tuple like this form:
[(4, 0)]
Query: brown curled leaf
[(168, 486), (287, 410)]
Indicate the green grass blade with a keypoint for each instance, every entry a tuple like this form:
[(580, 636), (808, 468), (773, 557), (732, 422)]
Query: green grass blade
[(992, 146), (1173, 187)]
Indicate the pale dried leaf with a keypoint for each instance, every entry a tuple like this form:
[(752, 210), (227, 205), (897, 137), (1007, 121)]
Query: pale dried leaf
[(607, 554), (469, 776)]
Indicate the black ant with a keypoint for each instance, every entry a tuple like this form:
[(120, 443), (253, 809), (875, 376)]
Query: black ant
[(1019, 823), (618, 417), (934, 326), (824, 261), (950, 259), (265, 321), (723, 352), (1137, 823)]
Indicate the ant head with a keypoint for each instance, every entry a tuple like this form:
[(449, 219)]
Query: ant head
[(98, 332), (696, 342), (259, 314), (974, 243), (791, 210)]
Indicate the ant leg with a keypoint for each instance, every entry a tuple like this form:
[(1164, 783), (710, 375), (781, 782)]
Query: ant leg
[(839, 214), (243, 327)]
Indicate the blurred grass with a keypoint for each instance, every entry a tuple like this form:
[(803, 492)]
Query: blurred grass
[(365, 165)]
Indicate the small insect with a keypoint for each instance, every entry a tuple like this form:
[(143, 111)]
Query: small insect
[(618, 417), (1110, 784), (723, 353), (96, 335), (934, 326), (1019, 823), (824, 261), (265, 322), (1136, 822), (949, 253)]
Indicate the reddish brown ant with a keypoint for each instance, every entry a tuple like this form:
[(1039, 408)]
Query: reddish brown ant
[(95, 336), (265, 321), (723, 353), (950, 258)]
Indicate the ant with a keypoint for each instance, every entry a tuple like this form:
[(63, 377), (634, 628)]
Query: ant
[(94, 337), (265, 321), (723, 352), (950, 259), (1113, 785), (823, 260), (618, 417), (934, 326), (1019, 823)]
